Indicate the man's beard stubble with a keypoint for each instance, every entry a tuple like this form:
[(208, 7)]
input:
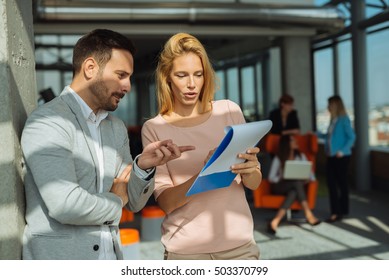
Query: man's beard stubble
[(101, 93)]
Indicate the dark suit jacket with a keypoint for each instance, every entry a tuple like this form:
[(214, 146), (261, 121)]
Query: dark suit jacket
[(292, 121)]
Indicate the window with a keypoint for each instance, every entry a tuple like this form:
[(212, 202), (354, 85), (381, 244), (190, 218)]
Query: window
[(345, 76), (378, 85), (374, 7), (220, 78), (244, 84), (248, 92), (153, 103), (233, 84), (324, 86)]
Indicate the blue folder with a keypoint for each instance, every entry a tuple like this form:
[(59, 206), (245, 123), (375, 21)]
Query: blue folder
[(216, 172)]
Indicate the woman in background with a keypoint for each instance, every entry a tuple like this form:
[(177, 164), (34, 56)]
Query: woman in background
[(292, 189), (339, 140), (285, 119)]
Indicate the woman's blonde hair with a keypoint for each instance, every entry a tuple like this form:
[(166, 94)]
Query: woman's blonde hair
[(337, 101), (178, 45)]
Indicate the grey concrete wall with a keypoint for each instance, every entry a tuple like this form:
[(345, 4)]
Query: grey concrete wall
[(17, 100), (275, 87), (297, 77)]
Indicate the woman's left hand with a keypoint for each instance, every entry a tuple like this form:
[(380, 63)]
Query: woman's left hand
[(339, 154), (250, 170)]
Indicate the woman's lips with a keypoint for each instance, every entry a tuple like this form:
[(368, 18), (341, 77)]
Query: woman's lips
[(190, 94)]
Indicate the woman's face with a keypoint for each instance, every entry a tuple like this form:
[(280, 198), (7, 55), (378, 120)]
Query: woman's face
[(186, 80), (331, 107), (287, 107), (293, 143)]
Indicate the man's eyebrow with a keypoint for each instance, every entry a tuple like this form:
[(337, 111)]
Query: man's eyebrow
[(123, 72)]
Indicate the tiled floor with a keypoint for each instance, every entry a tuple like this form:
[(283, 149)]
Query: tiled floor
[(362, 235)]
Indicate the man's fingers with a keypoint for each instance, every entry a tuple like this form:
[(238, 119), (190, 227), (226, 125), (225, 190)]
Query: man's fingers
[(126, 172), (175, 151), (159, 153), (186, 148), (172, 147), (165, 151), (163, 143)]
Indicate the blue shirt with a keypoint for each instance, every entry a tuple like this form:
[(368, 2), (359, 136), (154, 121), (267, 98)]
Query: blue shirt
[(340, 137)]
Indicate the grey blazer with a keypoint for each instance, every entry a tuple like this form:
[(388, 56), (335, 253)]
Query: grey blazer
[(64, 211)]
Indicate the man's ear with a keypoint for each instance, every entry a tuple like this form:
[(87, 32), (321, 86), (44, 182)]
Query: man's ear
[(90, 67)]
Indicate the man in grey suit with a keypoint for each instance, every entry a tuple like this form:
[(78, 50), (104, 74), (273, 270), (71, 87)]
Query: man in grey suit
[(79, 170)]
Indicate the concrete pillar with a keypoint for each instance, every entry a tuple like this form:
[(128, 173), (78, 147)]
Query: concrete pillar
[(361, 100), (296, 68), (272, 70), (17, 99)]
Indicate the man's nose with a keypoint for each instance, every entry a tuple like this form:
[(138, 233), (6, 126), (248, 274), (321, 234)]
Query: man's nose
[(126, 87)]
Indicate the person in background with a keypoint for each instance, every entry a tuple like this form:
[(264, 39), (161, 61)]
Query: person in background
[(339, 140), (79, 171), (292, 189), (285, 119), (215, 224)]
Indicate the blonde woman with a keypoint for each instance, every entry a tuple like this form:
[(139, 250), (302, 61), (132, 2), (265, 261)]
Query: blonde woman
[(338, 143), (211, 225)]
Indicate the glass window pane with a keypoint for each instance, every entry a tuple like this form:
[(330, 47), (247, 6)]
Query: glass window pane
[(153, 100), (378, 84), (49, 79), (233, 84), (345, 78), (46, 56), (248, 92), (220, 93), (132, 111), (68, 77), (324, 86), (320, 2), (374, 7)]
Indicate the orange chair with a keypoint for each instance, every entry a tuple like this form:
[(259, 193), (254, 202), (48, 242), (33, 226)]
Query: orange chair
[(262, 196), (127, 216)]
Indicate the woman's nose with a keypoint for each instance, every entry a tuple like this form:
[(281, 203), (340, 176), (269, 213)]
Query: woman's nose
[(191, 82)]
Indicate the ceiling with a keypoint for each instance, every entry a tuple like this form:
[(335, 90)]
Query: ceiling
[(226, 29)]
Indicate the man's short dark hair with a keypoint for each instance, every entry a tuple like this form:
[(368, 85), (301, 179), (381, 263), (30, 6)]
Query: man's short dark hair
[(99, 44)]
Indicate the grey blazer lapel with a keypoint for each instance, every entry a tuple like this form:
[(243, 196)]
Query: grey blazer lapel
[(75, 108)]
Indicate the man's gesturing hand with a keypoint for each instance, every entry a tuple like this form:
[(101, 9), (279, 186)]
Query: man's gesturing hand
[(160, 152)]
